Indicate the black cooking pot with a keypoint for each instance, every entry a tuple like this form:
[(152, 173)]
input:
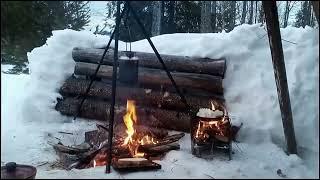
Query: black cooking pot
[(18, 171)]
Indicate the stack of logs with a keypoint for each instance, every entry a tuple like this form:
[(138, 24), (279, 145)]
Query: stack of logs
[(200, 79)]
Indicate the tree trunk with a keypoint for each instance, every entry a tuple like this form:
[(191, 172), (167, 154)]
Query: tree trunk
[(205, 26), (251, 13), (143, 97), (156, 18), (215, 67), (171, 25), (315, 5), (273, 28), (261, 15), (233, 14), (162, 18), (158, 78), (244, 12), (286, 15), (256, 14), (214, 15), (98, 109)]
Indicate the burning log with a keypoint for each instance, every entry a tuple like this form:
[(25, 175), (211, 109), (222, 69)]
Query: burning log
[(167, 140), (143, 97), (157, 77), (98, 109), (215, 67)]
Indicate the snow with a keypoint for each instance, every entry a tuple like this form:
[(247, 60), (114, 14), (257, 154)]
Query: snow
[(29, 120)]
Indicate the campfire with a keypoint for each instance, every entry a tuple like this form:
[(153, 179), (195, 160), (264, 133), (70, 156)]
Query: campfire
[(135, 144)]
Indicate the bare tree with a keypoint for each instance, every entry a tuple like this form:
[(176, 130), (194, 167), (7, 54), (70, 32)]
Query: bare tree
[(244, 12), (214, 15), (315, 6), (251, 13), (205, 26), (256, 14), (288, 8), (171, 25), (156, 18)]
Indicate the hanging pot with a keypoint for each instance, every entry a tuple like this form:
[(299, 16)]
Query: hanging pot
[(18, 171), (128, 69)]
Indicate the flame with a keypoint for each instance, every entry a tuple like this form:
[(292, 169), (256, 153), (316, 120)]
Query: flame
[(214, 126), (94, 163), (128, 119), (133, 141), (212, 106)]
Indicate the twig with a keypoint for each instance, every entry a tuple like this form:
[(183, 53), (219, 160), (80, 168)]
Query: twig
[(103, 127), (65, 132), (288, 41), (238, 147), (283, 39), (209, 176), (42, 164)]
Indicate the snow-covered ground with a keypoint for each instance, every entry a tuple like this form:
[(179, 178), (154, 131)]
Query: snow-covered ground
[(29, 121)]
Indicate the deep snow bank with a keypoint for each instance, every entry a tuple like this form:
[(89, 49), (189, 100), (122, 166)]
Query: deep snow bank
[(250, 89)]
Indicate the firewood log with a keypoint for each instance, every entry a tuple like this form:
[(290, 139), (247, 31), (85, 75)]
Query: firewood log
[(99, 110), (215, 67), (143, 97), (165, 141), (157, 77), (152, 151)]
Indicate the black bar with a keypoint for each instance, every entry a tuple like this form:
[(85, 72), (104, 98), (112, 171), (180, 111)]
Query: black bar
[(95, 73), (114, 85), (183, 99)]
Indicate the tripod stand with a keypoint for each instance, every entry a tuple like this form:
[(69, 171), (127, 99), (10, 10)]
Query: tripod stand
[(127, 8)]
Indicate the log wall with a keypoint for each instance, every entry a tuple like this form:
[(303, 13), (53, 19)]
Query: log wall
[(200, 79)]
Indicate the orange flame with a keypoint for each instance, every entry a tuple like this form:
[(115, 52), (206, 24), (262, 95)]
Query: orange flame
[(132, 141), (212, 106), (128, 119), (209, 125)]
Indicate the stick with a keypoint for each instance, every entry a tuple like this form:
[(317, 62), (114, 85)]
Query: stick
[(65, 132)]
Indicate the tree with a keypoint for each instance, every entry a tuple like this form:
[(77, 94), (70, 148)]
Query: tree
[(244, 12), (219, 14), (171, 24), (156, 18), (261, 15), (256, 14), (213, 15), (251, 13), (206, 26), (187, 16), (25, 25), (303, 17), (288, 8), (229, 15)]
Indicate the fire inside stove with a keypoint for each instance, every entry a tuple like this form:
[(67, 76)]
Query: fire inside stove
[(211, 129)]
